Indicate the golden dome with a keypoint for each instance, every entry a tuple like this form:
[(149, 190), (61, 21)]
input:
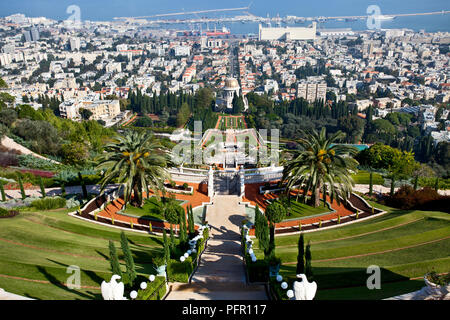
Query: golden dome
[(231, 83)]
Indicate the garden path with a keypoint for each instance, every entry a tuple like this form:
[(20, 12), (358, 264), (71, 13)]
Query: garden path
[(221, 273)]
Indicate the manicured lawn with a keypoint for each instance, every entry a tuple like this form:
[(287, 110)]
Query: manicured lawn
[(149, 210), (41, 245), (363, 177), (300, 210), (404, 244)]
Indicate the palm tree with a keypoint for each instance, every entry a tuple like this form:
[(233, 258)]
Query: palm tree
[(321, 162), (137, 161)]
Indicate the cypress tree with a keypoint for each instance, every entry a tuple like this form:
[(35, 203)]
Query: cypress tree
[(301, 254), (2, 190), (129, 261), (41, 184), (416, 182), (114, 260), (392, 186), (308, 268), (166, 247), (172, 239), (83, 186), (22, 190), (264, 236), (436, 185), (183, 230), (191, 220), (258, 224), (370, 183)]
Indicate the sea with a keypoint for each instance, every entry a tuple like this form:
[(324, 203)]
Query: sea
[(106, 10)]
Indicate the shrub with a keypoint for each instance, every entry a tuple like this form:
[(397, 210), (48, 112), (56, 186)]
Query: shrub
[(28, 161), (178, 271), (172, 184), (185, 186), (49, 203), (206, 234), (407, 198), (257, 271), (440, 280), (4, 213), (155, 290)]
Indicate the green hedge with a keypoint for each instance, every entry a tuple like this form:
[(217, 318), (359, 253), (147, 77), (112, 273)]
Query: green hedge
[(178, 271), (49, 203), (276, 290), (155, 290), (257, 271)]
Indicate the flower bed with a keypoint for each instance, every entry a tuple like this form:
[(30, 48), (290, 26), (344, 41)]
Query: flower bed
[(180, 189)]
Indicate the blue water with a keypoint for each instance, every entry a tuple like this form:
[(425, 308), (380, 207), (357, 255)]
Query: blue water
[(360, 147), (107, 10)]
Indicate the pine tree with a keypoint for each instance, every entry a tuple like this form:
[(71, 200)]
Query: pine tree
[(114, 260), (166, 247), (301, 254), (129, 261), (41, 184), (308, 267)]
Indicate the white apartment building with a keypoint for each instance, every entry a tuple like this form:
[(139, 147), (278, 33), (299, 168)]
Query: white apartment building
[(312, 91), (101, 109)]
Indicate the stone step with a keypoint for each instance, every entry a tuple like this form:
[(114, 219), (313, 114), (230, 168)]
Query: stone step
[(213, 286)]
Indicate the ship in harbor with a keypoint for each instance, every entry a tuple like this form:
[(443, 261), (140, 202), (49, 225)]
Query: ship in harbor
[(215, 33)]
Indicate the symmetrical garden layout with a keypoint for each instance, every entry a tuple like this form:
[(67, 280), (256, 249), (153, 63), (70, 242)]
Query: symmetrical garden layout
[(37, 247)]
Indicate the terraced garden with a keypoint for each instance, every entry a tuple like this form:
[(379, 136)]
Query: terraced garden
[(230, 122), (404, 244), (37, 247), (150, 209), (363, 177)]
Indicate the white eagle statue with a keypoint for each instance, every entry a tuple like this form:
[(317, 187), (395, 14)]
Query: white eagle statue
[(304, 290), (113, 290)]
